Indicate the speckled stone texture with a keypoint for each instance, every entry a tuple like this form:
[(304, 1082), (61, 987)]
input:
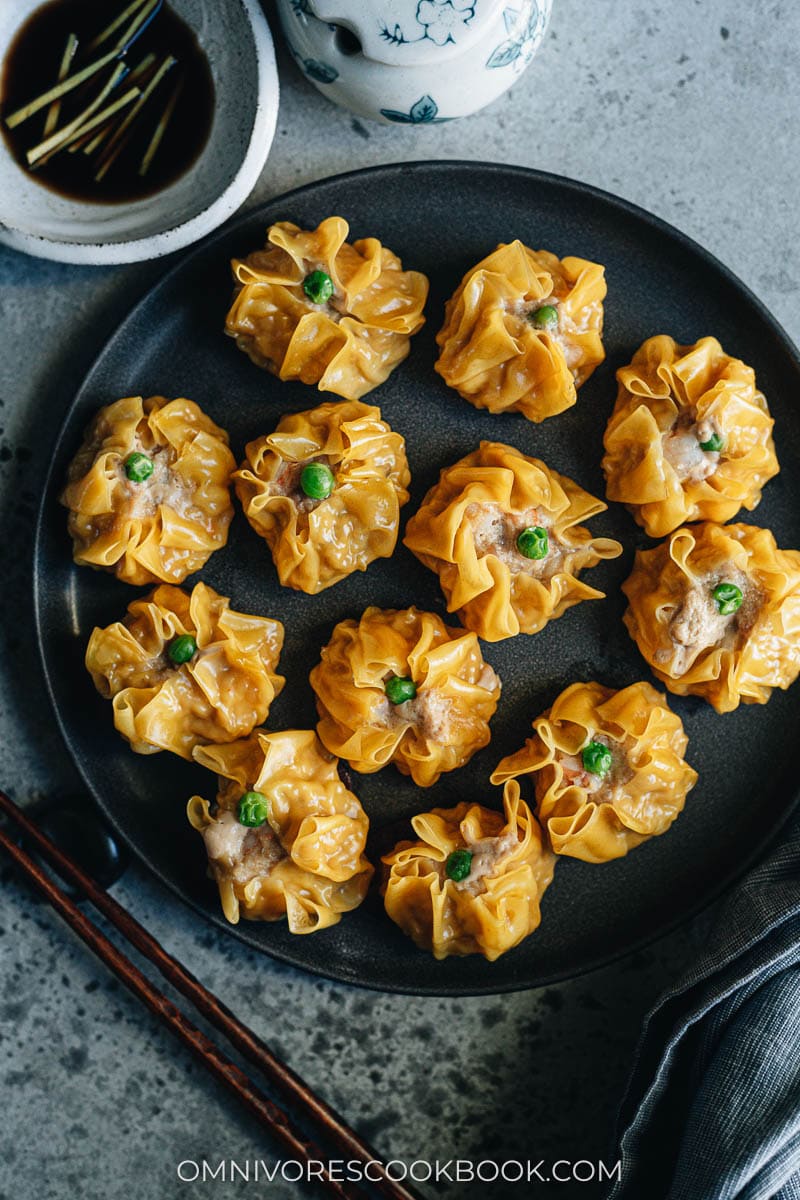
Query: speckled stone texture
[(687, 108)]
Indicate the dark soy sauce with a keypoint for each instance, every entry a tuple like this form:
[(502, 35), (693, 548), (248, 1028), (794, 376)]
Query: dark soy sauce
[(31, 68)]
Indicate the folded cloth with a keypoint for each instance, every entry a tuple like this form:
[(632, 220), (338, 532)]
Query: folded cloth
[(712, 1107)]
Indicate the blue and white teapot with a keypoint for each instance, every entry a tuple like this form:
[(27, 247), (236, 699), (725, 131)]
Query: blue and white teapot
[(414, 62)]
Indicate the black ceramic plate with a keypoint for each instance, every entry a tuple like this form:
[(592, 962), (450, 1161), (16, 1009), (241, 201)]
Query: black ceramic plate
[(440, 218)]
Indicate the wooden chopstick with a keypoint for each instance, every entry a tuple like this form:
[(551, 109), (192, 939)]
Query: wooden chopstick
[(290, 1085), (194, 1039)]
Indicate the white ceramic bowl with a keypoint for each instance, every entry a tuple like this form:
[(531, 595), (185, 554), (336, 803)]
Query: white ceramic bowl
[(236, 38)]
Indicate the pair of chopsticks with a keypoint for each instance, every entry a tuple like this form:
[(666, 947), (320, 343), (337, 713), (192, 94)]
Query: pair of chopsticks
[(291, 1088)]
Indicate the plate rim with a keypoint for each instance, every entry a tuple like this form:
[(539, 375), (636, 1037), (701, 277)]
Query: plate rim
[(241, 930)]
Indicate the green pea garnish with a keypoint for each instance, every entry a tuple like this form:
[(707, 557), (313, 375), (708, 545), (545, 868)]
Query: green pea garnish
[(545, 317), (533, 542), (318, 287), (182, 648), (458, 865), (728, 598), (317, 481), (400, 688), (253, 809), (138, 467), (715, 443), (596, 758)]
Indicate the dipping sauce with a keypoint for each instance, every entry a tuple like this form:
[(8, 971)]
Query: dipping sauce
[(154, 135)]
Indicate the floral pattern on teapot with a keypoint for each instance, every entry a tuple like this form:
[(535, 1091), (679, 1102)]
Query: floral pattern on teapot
[(525, 28), (438, 21), (414, 62)]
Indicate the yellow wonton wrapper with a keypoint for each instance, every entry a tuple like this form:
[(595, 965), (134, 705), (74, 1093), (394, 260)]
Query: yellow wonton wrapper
[(439, 730), (315, 543), (222, 693), (643, 793), (168, 526), (686, 387), (494, 589), (307, 863), (760, 649), (496, 358), (497, 905), (348, 345)]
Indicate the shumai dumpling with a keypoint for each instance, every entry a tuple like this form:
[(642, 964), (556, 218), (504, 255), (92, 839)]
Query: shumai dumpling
[(474, 881), (609, 769), (324, 490), (149, 490), (313, 307), (183, 669), (286, 837), (715, 611), (523, 330), (690, 437), (501, 531), (400, 686)]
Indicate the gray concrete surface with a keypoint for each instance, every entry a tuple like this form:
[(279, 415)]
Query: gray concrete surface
[(689, 108)]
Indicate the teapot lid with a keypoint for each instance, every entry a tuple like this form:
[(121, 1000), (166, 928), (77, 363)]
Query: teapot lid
[(410, 32)]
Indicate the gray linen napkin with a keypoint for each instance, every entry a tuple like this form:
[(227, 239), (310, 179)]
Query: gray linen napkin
[(712, 1107)]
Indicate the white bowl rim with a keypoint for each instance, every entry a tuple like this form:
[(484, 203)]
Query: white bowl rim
[(156, 245)]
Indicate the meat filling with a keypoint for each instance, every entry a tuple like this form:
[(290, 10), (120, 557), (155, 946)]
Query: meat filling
[(564, 332), (430, 710), (495, 532), (683, 450), (239, 852), (697, 624), (604, 789), (287, 483), (487, 854), (164, 486), (336, 307)]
